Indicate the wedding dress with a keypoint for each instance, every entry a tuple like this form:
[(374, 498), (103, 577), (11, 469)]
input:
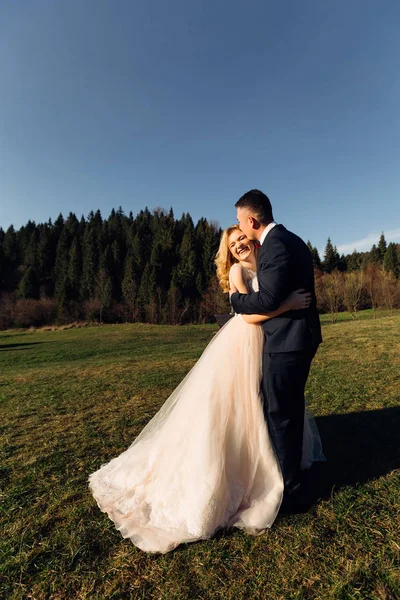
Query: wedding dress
[(205, 460)]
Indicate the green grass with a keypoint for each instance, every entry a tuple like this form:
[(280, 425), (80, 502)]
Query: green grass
[(71, 400), (367, 313)]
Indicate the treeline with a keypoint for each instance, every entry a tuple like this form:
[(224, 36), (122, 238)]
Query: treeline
[(151, 268), (359, 280), (383, 254), (371, 287)]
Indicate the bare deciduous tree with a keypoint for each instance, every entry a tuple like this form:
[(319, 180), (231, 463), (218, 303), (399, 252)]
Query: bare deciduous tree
[(373, 285), (330, 293), (353, 291), (213, 302), (390, 289)]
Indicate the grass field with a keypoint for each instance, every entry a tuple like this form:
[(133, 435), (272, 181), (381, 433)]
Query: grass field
[(71, 400)]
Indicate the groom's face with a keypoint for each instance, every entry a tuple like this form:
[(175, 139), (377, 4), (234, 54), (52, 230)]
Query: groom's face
[(245, 223)]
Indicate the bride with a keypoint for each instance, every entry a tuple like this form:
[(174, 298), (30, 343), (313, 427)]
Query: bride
[(205, 460)]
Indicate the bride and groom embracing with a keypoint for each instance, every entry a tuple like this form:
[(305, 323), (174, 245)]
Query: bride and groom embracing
[(230, 444)]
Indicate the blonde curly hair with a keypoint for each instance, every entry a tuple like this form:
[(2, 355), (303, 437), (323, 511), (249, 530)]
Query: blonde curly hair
[(224, 259)]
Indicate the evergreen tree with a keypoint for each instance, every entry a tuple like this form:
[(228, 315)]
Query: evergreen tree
[(100, 234), (117, 255), (72, 225), (174, 300), (144, 236), (10, 247), (45, 260), (390, 262), (75, 268), (375, 255), (58, 226), (23, 238), (29, 285), (103, 291), (118, 226), (147, 295), (138, 259), (61, 270), (156, 263), (130, 287), (342, 265), (95, 220), (106, 261), (315, 256), (11, 260), (43, 250), (353, 261), (331, 258), (89, 264), (382, 247), (2, 264), (32, 248), (186, 268), (55, 234), (164, 240), (206, 247), (106, 266), (82, 226)]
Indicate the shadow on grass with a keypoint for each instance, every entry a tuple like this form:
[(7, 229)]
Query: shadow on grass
[(359, 447), (18, 346)]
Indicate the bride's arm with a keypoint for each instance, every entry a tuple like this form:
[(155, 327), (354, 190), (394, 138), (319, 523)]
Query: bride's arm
[(297, 300), (236, 279)]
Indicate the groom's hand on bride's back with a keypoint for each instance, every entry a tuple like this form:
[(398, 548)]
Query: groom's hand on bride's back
[(298, 300)]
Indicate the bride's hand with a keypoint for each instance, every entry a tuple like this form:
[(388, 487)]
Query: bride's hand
[(298, 300)]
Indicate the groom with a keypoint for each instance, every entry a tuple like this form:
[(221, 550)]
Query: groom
[(292, 338)]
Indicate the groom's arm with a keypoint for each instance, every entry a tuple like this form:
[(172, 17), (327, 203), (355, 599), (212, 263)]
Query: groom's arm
[(273, 283)]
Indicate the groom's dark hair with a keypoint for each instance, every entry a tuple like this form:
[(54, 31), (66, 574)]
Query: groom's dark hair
[(259, 204)]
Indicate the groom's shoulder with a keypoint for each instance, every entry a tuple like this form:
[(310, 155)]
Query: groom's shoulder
[(281, 239), (279, 232)]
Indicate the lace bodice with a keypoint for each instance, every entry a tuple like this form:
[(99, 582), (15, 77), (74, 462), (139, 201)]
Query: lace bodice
[(249, 276), (252, 282)]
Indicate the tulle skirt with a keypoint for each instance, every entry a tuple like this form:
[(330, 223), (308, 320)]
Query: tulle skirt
[(205, 460)]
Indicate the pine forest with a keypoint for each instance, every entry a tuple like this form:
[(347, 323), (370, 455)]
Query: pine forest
[(155, 268)]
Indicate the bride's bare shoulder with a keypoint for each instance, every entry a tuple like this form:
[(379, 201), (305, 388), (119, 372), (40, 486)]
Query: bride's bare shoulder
[(236, 267), (236, 274)]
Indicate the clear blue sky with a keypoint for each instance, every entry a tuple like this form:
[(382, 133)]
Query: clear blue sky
[(190, 104)]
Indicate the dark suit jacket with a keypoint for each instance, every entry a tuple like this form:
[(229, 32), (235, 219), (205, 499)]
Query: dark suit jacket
[(284, 265)]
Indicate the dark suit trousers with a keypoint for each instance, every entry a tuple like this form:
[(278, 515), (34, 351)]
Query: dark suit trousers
[(284, 379)]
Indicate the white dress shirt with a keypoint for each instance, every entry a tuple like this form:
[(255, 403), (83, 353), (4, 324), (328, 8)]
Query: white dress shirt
[(266, 231)]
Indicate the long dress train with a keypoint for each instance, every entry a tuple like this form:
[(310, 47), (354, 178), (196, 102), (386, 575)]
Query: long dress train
[(205, 460)]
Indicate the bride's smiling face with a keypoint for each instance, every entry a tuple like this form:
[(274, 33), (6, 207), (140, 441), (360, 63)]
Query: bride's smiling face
[(240, 246)]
